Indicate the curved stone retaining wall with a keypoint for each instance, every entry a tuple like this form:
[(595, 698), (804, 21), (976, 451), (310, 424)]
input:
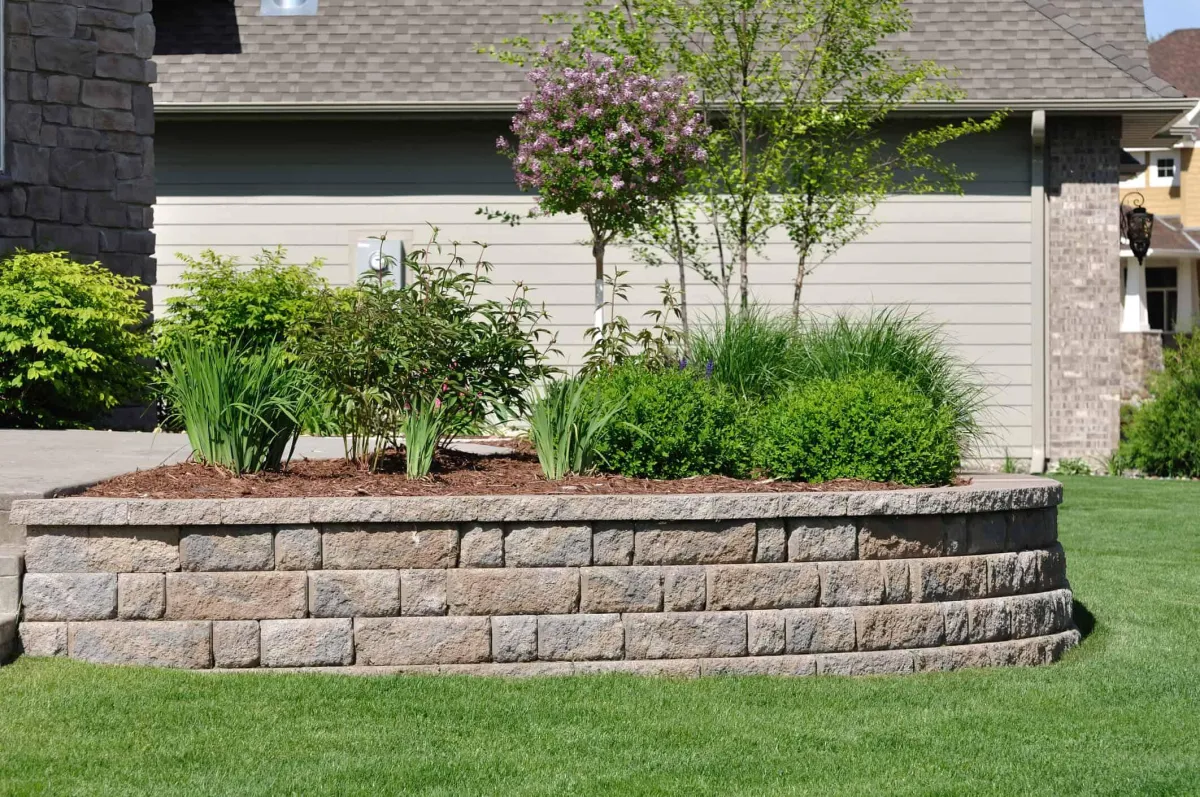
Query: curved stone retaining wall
[(850, 583)]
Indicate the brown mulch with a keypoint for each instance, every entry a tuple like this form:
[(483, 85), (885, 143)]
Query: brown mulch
[(455, 473)]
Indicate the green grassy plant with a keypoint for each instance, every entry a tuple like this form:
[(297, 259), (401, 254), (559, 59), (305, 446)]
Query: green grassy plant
[(565, 423), (751, 352)]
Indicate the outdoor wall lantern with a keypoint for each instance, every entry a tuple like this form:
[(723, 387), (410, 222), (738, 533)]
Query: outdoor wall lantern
[(1137, 225)]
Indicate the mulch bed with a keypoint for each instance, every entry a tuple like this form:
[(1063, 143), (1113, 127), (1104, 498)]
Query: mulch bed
[(455, 473)]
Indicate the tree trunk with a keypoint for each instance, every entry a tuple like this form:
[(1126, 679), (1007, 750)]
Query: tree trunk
[(799, 287), (679, 259), (744, 270), (598, 253)]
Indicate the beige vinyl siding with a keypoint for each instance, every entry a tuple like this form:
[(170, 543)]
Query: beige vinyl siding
[(314, 187)]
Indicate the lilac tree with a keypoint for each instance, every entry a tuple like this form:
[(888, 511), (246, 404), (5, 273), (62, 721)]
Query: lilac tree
[(598, 138)]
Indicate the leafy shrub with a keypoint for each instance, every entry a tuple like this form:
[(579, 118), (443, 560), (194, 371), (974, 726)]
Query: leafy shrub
[(71, 337), (1163, 434), (672, 424), (565, 424), (1072, 467), (428, 425), (242, 407), (869, 426), (221, 301)]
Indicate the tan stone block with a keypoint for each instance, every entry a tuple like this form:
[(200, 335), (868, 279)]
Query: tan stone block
[(354, 593), (851, 583), (765, 633), (422, 640), (548, 545), (69, 596), (580, 637), (528, 669), (400, 546), (950, 579), (43, 639), (1003, 578), (298, 548), (660, 668), (1052, 570), (102, 549), (153, 643), (772, 541), (988, 620), (685, 635), (235, 644), (684, 589), (896, 584), (514, 638), (901, 537), (236, 596), (612, 544), (620, 589), (822, 539), (765, 586), (914, 625), (958, 622), (307, 643), (141, 596), (423, 593), (818, 630), (482, 546), (894, 662), (533, 590), (695, 543), (1039, 615), (224, 548), (761, 665)]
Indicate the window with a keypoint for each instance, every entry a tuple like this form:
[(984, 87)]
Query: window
[(1162, 297), (1164, 171)]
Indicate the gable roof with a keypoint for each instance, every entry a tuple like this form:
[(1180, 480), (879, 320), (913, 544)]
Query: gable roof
[(1176, 58), (422, 53)]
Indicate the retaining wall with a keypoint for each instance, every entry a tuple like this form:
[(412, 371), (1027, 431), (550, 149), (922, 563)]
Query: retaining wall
[(849, 583)]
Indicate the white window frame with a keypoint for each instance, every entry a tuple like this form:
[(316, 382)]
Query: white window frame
[(1138, 180), (1157, 181)]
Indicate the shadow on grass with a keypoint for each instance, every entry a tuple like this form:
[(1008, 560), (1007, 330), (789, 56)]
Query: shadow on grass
[(1084, 619)]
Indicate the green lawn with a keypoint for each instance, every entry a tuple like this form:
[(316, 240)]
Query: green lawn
[(1121, 715)]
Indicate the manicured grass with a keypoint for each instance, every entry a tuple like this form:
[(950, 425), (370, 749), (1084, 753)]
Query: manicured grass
[(1121, 715)]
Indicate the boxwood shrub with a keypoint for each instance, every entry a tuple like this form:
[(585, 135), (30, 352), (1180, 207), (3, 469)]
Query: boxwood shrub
[(1162, 436)]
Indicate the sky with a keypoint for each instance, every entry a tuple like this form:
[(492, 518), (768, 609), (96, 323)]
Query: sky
[(1164, 16)]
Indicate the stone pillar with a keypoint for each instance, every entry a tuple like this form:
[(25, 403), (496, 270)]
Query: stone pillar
[(1085, 286), (80, 131)]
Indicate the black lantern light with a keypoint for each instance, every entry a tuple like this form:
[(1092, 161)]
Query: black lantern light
[(1137, 226)]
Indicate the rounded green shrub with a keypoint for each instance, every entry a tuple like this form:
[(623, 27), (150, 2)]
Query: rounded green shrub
[(1162, 436), (71, 341), (672, 424), (869, 426)]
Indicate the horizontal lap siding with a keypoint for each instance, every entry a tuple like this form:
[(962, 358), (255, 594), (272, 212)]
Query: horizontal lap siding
[(238, 187)]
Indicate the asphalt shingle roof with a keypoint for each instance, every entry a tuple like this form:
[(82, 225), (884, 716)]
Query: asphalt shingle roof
[(418, 51), (1176, 58)]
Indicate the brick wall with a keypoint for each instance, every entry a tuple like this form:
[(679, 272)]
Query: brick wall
[(1083, 261), (80, 131)]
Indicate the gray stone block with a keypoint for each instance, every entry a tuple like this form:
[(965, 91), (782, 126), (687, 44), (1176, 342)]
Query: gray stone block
[(141, 596), (63, 89), (548, 545), (904, 537), (580, 637), (950, 579), (10, 594), (354, 593), (897, 662), (43, 639), (1029, 529), (110, 94), (69, 596), (762, 586), (482, 546), (612, 544), (397, 546), (307, 643), (685, 635), (772, 541), (422, 640), (1039, 615), (120, 549), (896, 585), (235, 644), (298, 548), (154, 643), (514, 638), (717, 542), (986, 532), (84, 169), (119, 67), (70, 56), (988, 620), (765, 633), (818, 630), (534, 590), (914, 625), (423, 592), (661, 668), (226, 548), (236, 596), (684, 589), (761, 665), (958, 622), (851, 583), (51, 19), (822, 539), (621, 589)]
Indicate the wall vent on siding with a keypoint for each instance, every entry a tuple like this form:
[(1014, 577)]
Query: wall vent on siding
[(288, 8)]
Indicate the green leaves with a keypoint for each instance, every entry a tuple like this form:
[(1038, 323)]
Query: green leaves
[(1162, 436), (565, 424)]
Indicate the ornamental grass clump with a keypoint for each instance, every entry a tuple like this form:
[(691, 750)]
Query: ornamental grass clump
[(750, 351), (566, 423)]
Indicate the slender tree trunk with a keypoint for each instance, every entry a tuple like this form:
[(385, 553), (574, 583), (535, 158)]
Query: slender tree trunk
[(598, 253), (799, 287), (679, 259)]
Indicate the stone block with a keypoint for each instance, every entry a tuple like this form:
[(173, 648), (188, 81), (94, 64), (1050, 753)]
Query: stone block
[(772, 541), (695, 543), (822, 540), (661, 668), (851, 583), (69, 596), (901, 537), (514, 638), (398, 546), (10, 595), (354, 593), (913, 625), (612, 544), (307, 643), (621, 589), (423, 593), (105, 18), (108, 212), (951, 579), (896, 583), (29, 164), (764, 665), (1003, 578), (1032, 528), (422, 640), (897, 662), (534, 590), (236, 596), (25, 122), (44, 639), (153, 643), (818, 630), (143, 35), (298, 548), (548, 545), (954, 658), (235, 644), (121, 122), (69, 56), (82, 242), (226, 548), (120, 67), (482, 546), (580, 637), (988, 620), (986, 532), (51, 19), (958, 622), (765, 586), (1052, 568), (141, 596), (115, 42), (954, 535), (684, 589), (1039, 615), (765, 633), (685, 635), (63, 89), (122, 549)]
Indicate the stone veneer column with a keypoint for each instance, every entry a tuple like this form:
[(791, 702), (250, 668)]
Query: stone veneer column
[(80, 131), (1085, 286)]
